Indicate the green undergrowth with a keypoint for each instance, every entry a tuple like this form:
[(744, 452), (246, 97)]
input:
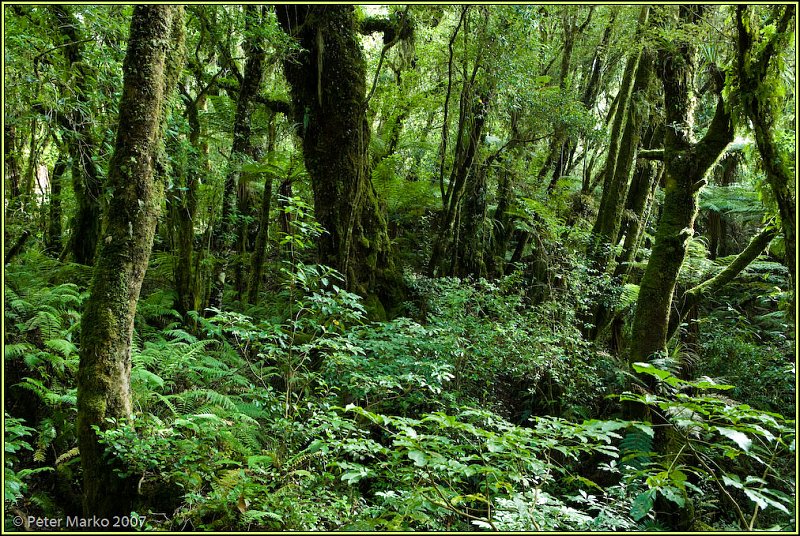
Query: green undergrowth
[(482, 411)]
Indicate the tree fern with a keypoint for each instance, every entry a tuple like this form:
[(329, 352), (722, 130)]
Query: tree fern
[(738, 199)]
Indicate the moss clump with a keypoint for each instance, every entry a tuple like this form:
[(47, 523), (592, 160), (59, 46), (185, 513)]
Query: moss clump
[(375, 309)]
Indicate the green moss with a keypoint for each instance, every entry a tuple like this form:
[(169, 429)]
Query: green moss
[(375, 309)]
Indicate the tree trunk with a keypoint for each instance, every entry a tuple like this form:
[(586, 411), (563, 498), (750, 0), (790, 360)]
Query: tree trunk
[(186, 212), (754, 62), (640, 195), (260, 248), (624, 140), (82, 147), (129, 227), (11, 159), (328, 87), (609, 217), (235, 198), (53, 238), (685, 166), (475, 106), (469, 257)]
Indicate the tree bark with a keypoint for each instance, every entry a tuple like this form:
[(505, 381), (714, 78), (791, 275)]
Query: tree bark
[(609, 218), (82, 146), (328, 87), (621, 154), (640, 195), (685, 164), (129, 227), (753, 65), (17, 247), (475, 105), (236, 194), (260, 248), (53, 238), (11, 159)]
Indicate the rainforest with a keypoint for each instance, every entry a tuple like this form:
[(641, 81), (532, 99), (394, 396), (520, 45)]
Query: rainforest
[(399, 267)]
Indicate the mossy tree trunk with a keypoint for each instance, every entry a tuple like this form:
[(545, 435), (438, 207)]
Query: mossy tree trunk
[(609, 217), (182, 211), (82, 146), (718, 222), (637, 205), (53, 238), (328, 88), (685, 163), (757, 69), (692, 297), (260, 247), (472, 245), (625, 136), (465, 176), (11, 159), (128, 230), (236, 193)]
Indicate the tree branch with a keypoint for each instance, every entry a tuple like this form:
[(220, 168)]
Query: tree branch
[(692, 297), (651, 154), (17, 247)]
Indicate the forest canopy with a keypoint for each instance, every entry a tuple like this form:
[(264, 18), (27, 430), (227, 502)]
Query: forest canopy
[(399, 267)]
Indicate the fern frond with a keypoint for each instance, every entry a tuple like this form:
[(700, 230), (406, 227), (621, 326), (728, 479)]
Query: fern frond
[(635, 449), (13, 351), (64, 347), (67, 456)]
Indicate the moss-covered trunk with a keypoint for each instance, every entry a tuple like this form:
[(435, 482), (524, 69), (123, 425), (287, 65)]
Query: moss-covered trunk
[(472, 242), (53, 238), (760, 88), (474, 106), (260, 248), (82, 146), (609, 217), (637, 204), (328, 87), (235, 197), (11, 159), (692, 297), (129, 226), (685, 165), (185, 214), (621, 153)]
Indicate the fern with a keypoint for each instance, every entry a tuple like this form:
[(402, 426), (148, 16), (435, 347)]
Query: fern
[(181, 335), (13, 351), (49, 397), (67, 456), (46, 322), (732, 199), (62, 346), (636, 448)]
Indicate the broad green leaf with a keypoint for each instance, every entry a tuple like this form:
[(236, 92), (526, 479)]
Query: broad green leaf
[(736, 436), (673, 494), (642, 504), (420, 459), (647, 368)]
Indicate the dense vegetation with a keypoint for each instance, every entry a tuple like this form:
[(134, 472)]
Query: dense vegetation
[(400, 268)]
